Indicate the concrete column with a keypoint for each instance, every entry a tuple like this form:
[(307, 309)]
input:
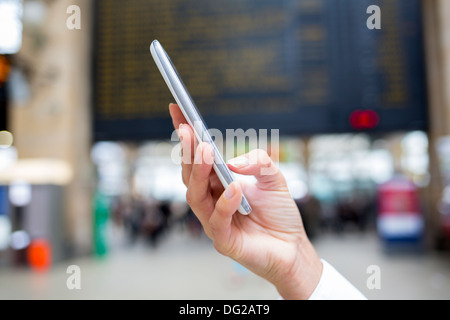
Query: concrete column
[(55, 121), (437, 51)]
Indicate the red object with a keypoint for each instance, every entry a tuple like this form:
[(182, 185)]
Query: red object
[(4, 69), (39, 254), (399, 209), (364, 119), (398, 197), (446, 226)]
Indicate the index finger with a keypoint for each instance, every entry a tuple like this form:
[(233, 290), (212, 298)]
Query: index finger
[(177, 116)]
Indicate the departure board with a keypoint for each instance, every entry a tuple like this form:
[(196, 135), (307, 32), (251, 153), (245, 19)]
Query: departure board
[(300, 66)]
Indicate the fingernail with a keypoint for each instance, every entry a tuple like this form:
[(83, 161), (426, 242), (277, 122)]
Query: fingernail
[(229, 192), (239, 162)]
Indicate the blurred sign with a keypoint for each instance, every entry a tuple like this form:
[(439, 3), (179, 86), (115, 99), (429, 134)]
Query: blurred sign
[(4, 201), (303, 67), (399, 213), (5, 224)]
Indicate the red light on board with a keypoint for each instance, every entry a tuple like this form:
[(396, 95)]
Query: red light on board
[(364, 119)]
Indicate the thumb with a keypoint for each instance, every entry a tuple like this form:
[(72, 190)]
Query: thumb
[(221, 218), (259, 164)]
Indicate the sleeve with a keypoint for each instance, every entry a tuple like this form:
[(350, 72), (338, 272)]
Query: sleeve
[(334, 286)]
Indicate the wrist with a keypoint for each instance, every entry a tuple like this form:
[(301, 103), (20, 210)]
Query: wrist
[(302, 276)]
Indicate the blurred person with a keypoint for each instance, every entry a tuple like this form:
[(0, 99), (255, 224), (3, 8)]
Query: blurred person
[(135, 218), (161, 215), (151, 224), (310, 209), (271, 241), (192, 223)]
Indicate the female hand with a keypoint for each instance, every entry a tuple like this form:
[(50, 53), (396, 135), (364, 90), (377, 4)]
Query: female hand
[(271, 240)]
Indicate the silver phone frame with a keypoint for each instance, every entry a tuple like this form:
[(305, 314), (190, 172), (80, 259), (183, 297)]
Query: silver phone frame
[(192, 115)]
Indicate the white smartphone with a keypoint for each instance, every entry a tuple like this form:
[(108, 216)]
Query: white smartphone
[(192, 115)]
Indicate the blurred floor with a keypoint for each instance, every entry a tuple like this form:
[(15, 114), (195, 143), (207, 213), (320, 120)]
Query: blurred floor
[(182, 267), (404, 274)]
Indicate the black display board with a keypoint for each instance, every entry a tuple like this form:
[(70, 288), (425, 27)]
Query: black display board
[(301, 66)]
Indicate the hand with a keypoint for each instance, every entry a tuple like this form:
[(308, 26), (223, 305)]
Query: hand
[(271, 240)]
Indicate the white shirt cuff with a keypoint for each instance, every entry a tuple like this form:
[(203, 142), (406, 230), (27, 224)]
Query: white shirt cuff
[(334, 286)]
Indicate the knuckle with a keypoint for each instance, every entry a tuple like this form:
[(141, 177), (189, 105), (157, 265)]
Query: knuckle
[(262, 152), (259, 157), (220, 247), (213, 228), (224, 248), (208, 232), (264, 157), (185, 180), (189, 197), (196, 174)]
